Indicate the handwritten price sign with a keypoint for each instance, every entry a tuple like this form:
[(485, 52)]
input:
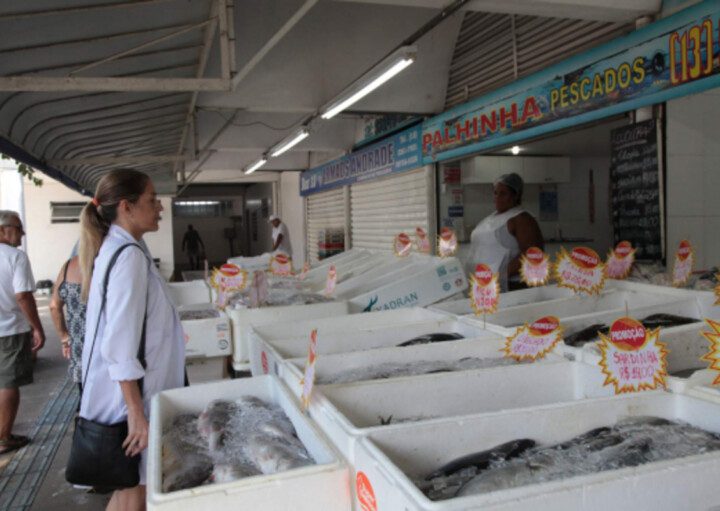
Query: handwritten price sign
[(580, 270), (402, 245), (713, 356), (684, 259), (534, 267), (633, 359), (485, 290), (620, 261), (331, 280), (280, 264), (422, 242), (534, 341), (447, 242), (308, 381), (226, 279)]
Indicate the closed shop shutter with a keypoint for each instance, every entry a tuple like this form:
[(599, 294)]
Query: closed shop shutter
[(382, 208), (325, 211)]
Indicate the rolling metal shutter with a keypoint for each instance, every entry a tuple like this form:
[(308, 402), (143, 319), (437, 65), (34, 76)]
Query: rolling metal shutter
[(325, 210), (382, 208)]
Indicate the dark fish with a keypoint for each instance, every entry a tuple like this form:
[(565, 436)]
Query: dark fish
[(482, 459), (666, 320), (428, 338), (586, 335), (686, 373)]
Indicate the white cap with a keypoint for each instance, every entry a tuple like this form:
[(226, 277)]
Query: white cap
[(273, 217)]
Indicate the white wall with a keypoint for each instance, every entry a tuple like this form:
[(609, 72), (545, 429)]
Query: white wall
[(160, 243), (292, 212), (693, 176), (254, 197)]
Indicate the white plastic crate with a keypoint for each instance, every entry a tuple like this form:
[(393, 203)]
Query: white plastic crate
[(244, 320), (392, 457), (347, 412), (322, 486), (210, 337), (189, 293)]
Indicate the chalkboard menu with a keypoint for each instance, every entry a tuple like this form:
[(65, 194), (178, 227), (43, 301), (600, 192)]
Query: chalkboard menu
[(635, 184)]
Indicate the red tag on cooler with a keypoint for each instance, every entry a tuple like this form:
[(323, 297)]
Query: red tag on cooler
[(713, 356), (484, 290), (280, 264), (620, 261), (422, 242), (308, 381), (226, 279), (402, 245), (331, 280), (633, 359), (534, 341), (534, 267), (580, 270), (447, 243), (684, 259)]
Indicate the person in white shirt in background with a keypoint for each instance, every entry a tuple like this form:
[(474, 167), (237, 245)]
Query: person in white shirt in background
[(21, 333), (124, 208), (280, 236)]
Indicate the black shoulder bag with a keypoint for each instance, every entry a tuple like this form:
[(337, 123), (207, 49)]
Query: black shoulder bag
[(96, 455)]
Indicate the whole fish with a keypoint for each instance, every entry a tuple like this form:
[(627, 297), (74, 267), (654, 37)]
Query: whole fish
[(481, 460), (586, 335), (666, 320), (429, 338)]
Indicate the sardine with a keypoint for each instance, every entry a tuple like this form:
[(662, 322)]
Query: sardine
[(481, 460), (429, 338), (585, 335), (663, 320)]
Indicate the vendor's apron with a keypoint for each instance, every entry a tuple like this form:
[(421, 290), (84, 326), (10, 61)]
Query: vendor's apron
[(491, 243)]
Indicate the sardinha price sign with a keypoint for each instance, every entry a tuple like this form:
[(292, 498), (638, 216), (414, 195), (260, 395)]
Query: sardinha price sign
[(713, 356), (580, 270), (227, 279), (422, 241), (447, 242), (484, 290), (402, 245), (684, 259), (331, 280), (633, 359), (534, 267), (620, 261), (280, 264), (534, 341), (308, 381)]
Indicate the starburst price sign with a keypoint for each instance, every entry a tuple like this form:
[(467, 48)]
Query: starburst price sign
[(534, 341), (331, 280), (280, 264), (633, 359), (447, 242), (402, 245), (422, 242), (484, 290), (684, 259), (308, 381), (226, 279), (581, 270), (534, 267), (713, 356), (620, 261), (303, 274)]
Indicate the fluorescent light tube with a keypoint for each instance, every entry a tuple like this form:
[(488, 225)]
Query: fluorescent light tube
[(285, 146), (252, 168)]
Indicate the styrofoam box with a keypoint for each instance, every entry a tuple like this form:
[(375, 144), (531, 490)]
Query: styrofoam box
[(205, 370), (189, 293), (376, 276), (244, 320), (391, 457), (322, 486), (510, 299), (210, 337), (706, 299), (261, 262), (346, 412)]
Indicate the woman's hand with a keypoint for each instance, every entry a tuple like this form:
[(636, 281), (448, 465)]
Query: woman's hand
[(137, 439)]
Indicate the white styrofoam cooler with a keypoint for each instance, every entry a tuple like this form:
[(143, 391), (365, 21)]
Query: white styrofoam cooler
[(210, 337), (189, 293), (510, 299), (244, 320), (347, 412), (391, 457), (322, 486), (249, 264)]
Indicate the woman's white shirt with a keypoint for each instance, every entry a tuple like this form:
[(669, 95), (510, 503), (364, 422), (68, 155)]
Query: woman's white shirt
[(134, 282)]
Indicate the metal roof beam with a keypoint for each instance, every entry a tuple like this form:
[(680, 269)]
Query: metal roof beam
[(73, 10), (120, 160), (137, 136), (88, 84)]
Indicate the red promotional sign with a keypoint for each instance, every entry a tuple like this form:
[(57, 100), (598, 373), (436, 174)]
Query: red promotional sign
[(484, 290), (620, 261), (534, 267), (534, 341), (581, 270)]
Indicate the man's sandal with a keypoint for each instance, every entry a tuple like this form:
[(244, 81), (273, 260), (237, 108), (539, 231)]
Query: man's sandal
[(12, 443)]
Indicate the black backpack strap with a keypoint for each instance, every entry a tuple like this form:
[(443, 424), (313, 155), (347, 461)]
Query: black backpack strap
[(65, 270)]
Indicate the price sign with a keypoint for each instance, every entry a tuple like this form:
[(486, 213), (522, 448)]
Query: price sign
[(447, 243), (633, 359), (581, 270), (280, 264), (308, 381), (402, 245), (620, 261), (226, 279), (534, 267), (534, 341), (484, 290), (713, 356), (331, 280), (422, 242), (684, 259), (303, 274), (258, 289)]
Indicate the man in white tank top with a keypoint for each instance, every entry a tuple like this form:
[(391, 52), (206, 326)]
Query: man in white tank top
[(500, 238)]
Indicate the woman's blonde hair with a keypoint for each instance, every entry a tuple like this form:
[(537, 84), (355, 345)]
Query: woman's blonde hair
[(101, 212)]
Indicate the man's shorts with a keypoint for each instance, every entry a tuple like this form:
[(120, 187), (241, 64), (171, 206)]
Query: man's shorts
[(16, 365)]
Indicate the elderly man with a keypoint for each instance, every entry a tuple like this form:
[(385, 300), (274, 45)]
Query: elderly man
[(21, 333), (280, 236)]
